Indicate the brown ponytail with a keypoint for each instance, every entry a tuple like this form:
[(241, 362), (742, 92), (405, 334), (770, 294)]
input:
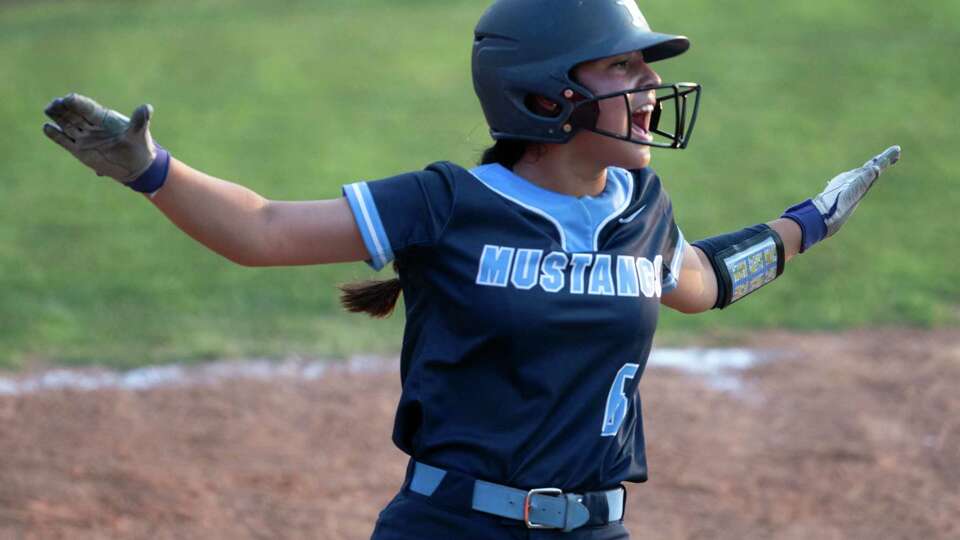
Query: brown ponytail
[(374, 297), (378, 298)]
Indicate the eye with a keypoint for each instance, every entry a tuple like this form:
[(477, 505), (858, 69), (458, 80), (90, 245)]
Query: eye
[(623, 64)]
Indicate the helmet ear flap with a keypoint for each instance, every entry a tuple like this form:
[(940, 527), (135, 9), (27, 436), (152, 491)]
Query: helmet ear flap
[(585, 115)]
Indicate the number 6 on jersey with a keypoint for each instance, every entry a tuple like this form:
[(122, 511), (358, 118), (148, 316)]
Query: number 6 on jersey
[(616, 409)]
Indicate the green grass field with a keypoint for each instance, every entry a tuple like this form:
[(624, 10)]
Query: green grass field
[(294, 99)]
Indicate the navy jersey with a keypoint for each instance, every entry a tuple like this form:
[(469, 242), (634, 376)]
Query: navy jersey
[(529, 318)]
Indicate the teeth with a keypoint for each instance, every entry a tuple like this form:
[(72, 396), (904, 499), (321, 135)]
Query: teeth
[(645, 109)]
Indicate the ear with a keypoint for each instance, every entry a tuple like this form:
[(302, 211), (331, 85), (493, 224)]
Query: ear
[(542, 106), (545, 104)]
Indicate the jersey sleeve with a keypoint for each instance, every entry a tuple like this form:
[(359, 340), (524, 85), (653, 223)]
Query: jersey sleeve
[(396, 213), (672, 252), (673, 247)]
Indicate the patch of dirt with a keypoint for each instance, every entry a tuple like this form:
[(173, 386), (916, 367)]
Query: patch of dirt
[(853, 435)]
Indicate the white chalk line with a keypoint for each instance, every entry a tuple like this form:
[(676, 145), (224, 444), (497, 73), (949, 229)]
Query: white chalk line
[(719, 367)]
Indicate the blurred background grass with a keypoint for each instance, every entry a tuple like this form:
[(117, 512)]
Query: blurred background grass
[(295, 98)]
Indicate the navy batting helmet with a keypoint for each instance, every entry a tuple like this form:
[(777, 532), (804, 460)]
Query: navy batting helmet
[(525, 48)]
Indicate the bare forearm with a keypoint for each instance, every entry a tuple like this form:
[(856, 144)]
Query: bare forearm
[(790, 234), (223, 216)]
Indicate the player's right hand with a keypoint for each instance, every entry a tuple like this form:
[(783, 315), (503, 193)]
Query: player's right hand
[(104, 140)]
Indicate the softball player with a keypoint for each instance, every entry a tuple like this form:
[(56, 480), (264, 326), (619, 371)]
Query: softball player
[(532, 282)]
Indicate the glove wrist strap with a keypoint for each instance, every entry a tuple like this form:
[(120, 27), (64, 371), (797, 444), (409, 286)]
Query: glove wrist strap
[(154, 177), (812, 226)]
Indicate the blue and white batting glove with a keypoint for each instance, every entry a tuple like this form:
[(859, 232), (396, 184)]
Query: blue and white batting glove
[(822, 216), (108, 142)]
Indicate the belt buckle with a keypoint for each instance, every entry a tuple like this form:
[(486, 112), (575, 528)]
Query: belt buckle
[(526, 506)]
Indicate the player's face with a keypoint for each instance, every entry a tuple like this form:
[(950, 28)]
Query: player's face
[(616, 74)]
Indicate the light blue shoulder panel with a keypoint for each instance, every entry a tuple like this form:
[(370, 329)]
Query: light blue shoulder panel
[(578, 220)]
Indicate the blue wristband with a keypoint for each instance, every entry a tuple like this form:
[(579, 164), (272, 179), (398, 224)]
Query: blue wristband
[(812, 225), (153, 178)]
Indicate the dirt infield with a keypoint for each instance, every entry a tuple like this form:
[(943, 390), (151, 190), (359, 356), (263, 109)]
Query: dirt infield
[(846, 436)]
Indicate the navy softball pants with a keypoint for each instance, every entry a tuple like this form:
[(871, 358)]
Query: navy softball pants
[(446, 515)]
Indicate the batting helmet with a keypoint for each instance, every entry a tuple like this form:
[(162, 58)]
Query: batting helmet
[(525, 48)]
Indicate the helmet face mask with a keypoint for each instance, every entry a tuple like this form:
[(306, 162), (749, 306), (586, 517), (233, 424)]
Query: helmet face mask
[(671, 111), (526, 48)]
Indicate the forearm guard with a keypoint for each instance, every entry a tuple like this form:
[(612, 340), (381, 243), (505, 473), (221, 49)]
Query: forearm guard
[(743, 261)]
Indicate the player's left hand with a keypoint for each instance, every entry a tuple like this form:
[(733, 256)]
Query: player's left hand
[(845, 191), (823, 215)]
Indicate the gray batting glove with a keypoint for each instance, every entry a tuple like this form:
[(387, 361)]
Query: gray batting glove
[(104, 140), (823, 215), (845, 191)]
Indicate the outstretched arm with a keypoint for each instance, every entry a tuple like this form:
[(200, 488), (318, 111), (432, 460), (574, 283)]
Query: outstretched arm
[(721, 270), (253, 231), (228, 218)]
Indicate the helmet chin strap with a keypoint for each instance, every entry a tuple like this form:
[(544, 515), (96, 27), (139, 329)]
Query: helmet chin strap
[(586, 113)]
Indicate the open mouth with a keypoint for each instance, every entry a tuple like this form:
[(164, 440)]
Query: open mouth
[(640, 123)]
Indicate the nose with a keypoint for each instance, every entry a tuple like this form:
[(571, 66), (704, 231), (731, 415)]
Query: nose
[(649, 77)]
